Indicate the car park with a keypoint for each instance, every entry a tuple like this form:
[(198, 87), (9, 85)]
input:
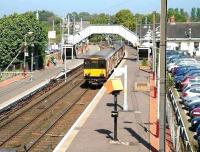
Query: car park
[(186, 77)]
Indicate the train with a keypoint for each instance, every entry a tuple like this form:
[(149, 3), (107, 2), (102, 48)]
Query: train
[(99, 66)]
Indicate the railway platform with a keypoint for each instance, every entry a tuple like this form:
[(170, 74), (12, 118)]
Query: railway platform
[(13, 89), (93, 131)]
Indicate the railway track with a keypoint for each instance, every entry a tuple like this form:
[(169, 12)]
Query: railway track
[(42, 124), (34, 96)]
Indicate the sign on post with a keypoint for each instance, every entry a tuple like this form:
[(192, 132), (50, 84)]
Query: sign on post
[(119, 72), (51, 34)]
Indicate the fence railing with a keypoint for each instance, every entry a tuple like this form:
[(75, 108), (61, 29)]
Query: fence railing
[(180, 123)]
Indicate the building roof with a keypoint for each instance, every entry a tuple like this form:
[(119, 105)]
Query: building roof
[(182, 30), (174, 30)]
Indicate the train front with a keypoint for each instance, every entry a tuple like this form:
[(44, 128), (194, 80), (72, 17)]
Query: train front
[(95, 71)]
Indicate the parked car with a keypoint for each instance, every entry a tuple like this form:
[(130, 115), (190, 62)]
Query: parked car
[(195, 113), (191, 83), (198, 140), (194, 75), (195, 122), (178, 79), (188, 99), (181, 62), (192, 106), (184, 69), (191, 103), (195, 91), (198, 130)]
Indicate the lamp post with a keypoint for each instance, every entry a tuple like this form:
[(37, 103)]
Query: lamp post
[(25, 49), (32, 47)]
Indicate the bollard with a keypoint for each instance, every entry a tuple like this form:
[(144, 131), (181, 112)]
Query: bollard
[(157, 128), (154, 92)]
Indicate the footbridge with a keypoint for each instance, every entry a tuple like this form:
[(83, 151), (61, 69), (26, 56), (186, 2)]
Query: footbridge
[(103, 29)]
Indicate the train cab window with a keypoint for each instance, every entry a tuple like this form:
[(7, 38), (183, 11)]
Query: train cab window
[(102, 64), (87, 64)]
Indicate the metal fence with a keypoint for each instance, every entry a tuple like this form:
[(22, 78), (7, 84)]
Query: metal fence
[(179, 130)]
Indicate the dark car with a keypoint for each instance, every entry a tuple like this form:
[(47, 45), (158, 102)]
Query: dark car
[(183, 70), (192, 106), (198, 141), (198, 130), (195, 123)]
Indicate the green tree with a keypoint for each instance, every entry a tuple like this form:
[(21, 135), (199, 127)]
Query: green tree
[(12, 36), (125, 17), (47, 18), (198, 15), (84, 15), (99, 19), (179, 14), (193, 14)]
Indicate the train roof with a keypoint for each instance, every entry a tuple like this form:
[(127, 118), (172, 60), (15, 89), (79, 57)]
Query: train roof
[(106, 53)]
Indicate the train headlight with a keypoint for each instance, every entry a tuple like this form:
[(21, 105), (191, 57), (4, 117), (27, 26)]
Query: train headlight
[(87, 74), (101, 75)]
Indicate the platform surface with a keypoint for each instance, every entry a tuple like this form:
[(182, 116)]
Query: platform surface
[(96, 134)]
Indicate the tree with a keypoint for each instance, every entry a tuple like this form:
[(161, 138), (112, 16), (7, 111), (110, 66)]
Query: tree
[(198, 15), (99, 19), (179, 14), (84, 15), (47, 17), (125, 17), (193, 14), (12, 36)]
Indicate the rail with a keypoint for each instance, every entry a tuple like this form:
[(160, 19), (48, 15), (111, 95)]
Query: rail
[(180, 123)]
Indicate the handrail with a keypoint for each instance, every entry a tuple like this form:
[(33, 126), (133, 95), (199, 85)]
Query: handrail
[(180, 122), (84, 33)]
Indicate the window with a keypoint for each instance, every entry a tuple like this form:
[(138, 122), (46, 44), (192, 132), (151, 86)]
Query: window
[(95, 64), (102, 64), (87, 64), (197, 91), (196, 46)]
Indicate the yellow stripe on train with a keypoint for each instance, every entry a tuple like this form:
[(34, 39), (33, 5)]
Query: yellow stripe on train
[(95, 72)]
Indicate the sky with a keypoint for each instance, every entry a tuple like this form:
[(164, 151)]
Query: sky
[(62, 7)]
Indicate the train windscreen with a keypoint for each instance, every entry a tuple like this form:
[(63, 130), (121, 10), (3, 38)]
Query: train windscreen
[(94, 64)]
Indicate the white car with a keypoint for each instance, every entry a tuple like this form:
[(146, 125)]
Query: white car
[(181, 62), (194, 91), (190, 85)]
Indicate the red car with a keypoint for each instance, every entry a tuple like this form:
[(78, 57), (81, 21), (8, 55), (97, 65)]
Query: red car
[(189, 80), (185, 81), (195, 112)]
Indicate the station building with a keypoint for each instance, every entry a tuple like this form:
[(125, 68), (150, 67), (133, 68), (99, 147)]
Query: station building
[(184, 36)]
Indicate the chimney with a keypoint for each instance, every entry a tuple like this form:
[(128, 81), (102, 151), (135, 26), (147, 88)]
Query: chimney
[(172, 20)]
